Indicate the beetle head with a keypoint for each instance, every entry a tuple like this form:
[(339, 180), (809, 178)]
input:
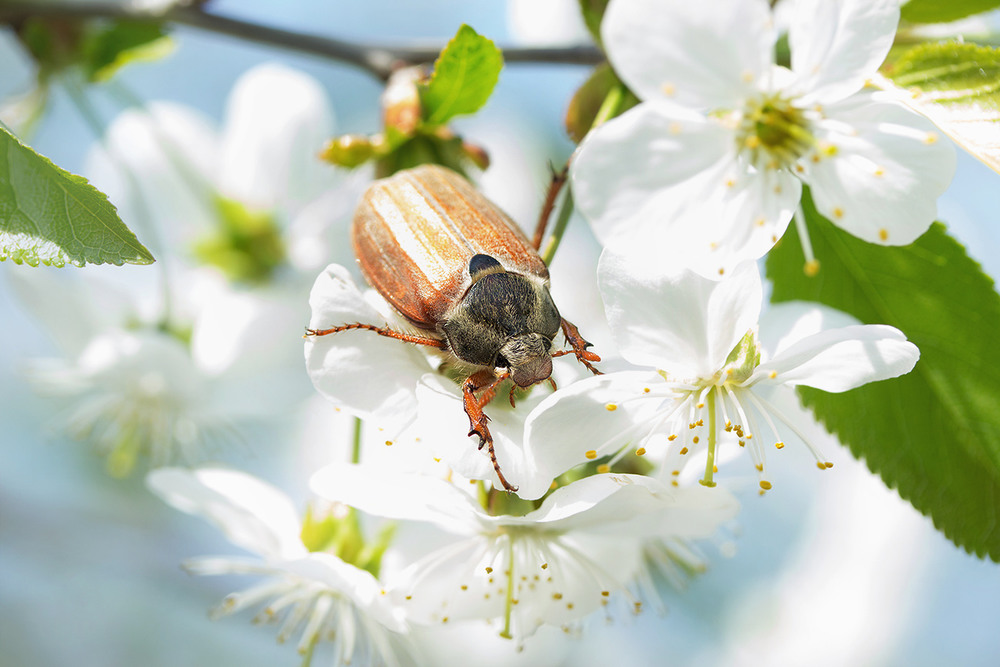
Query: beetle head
[(506, 321), (528, 358)]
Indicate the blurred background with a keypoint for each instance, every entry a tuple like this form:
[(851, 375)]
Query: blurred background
[(825, 570)]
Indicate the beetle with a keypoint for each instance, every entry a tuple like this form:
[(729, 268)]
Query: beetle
[(463, 273)]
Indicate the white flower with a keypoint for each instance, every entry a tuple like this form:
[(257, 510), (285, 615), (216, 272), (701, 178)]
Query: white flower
[(712, 369), (709, 167), (137, 386), (251, 197), (396, 386), (553, 565), (317, 593)]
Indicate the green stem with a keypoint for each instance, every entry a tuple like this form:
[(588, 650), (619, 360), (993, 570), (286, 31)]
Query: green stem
[(712, 438), (356, 444), (509, 606), (555, 237)]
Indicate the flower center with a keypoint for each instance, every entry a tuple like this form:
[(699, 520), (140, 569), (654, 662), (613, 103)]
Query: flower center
[(773, 132), (247, 245)]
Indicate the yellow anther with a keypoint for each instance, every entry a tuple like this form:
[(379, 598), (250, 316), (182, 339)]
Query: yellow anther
[(829, 464), (752, 141), (557, 596), (668, 89), (779, 445), (611, 407), (640, 451), (464, 587), (766, 485), (811, 268), (605, 593), (695, 440), (760, 222), (388, 443), (545, 566), (674, 482), (772, 374), (684, 450), (930, 138), (760, 467), (838, 212), (883, 234), (672, 437), (700, 406), (674, 129), (879, 171), (715, 468), (591, 454), (675, 473), (489, 570), (604, 468), (645, 390)]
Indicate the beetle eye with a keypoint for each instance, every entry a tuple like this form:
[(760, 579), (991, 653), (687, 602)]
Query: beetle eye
[(501, 362)]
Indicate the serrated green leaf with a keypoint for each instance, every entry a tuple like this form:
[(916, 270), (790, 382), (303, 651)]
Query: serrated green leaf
[(50, 216), (934, 434), (942, 11), (958, 87), (464, 77), (111, 47)]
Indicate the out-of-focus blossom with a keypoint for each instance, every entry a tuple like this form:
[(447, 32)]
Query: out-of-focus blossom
[(313, 593)]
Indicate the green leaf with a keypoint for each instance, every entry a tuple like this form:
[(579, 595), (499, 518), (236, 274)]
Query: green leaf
[(602, 88), (593, 13), (958, 87), (942, 11), (464, 77), (934, 434), (111, 47), (50, 216)]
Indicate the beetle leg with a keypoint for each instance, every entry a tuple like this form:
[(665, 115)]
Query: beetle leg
[(478, 418), (555, 186), (381, 331), (583, 355), (511, 397)]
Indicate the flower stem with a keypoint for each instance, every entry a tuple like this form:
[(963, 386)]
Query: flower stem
[(560, 227), (356, 444), (712, 439)]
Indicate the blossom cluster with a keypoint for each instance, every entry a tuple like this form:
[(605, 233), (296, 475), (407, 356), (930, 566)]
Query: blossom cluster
[(617, 475)]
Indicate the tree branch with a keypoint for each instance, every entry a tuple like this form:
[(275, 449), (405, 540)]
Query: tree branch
[(378, 60)]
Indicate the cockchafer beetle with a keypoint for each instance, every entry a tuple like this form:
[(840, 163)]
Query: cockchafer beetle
[(464, 274)]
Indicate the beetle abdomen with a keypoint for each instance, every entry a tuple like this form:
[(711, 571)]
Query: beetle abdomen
[(414, 234)]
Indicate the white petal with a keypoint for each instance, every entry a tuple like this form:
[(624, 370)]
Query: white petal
[(276, 122), (55, 299), (836, 45), (890, 167), (369, 375), (624, 169), (445, 426), (159, 166), (706, 55), (674, 320), (359, 585), (252, 514), (576, 420), (842, 359), (599, 502), (693, 512), (784, 324), (399, 496)]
